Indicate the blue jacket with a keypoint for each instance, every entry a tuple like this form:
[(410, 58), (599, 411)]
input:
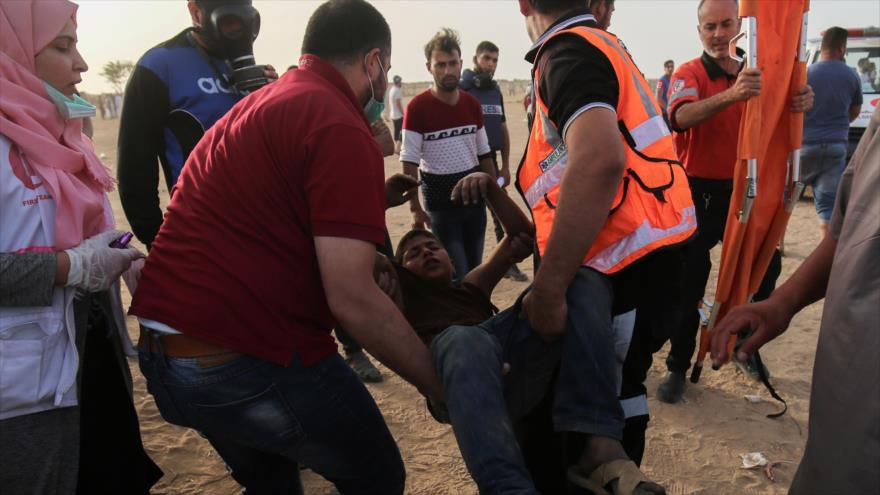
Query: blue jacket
[(492, 102)]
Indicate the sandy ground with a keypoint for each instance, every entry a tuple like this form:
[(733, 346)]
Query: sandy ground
[(692, 447)]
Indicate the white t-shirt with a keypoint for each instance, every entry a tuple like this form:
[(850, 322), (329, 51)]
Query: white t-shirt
[(396, 95)]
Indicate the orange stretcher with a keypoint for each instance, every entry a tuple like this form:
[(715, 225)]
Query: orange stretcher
[(767, 179)]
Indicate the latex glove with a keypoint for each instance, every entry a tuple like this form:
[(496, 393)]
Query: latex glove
[(132, 276), (94, 265)]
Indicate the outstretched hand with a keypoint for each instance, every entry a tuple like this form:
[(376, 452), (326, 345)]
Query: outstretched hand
[(765, 319), (399, 188), (473, 188)]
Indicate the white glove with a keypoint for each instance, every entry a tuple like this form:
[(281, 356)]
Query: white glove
[(94, 265)]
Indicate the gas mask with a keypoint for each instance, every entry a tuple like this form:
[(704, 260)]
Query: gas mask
[(483, 80), (236, 45)]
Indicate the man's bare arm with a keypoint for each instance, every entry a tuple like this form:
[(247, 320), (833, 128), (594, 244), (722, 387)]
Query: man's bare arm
[(487, 166), (596, 161), (481, 186), (854, 112), (420, 216), (692, 114), (369, 315), (511, 250)]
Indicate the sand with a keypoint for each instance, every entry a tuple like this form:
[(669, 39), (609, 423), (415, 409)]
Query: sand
[(692, 447)]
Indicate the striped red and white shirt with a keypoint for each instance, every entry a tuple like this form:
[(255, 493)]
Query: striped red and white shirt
[(446, 141)]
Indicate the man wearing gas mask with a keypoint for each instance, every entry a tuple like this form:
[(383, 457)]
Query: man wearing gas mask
[(480, 84), (176, 92)]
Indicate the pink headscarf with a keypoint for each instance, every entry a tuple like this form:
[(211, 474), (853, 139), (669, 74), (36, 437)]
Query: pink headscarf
[(56, 149)]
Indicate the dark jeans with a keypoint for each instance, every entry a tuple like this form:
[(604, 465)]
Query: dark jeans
[(469, 361), (264, 420), (462, 231), (712, 201), (651, 287)]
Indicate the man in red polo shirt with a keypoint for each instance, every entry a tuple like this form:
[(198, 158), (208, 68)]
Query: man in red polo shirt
[(269, 242), (706, 100)]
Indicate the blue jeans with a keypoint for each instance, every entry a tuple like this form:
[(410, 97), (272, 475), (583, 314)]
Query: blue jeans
[(482, 405), (822, 166), (462, 231), (264, 420)]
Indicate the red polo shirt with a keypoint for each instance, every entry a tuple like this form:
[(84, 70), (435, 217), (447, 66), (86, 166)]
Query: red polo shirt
[(707, 151), (234, 263)]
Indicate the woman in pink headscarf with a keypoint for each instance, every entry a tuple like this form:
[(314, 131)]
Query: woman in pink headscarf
[(67, 422)]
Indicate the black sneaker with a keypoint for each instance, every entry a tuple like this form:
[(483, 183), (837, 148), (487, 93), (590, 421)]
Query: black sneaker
[(361, 365), (514, 274), (672, 388)]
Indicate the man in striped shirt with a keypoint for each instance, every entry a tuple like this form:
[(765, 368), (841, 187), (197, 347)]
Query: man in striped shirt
[(443, 141)]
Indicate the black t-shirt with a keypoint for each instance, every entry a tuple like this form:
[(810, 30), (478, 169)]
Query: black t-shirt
[(430, 308), (574, 73)]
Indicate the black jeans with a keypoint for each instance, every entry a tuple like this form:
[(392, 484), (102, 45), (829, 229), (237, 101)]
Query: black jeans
[(712, 201)]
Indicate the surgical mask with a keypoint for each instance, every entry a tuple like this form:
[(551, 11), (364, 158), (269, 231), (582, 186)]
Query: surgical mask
[(374, 108), (70, 108)]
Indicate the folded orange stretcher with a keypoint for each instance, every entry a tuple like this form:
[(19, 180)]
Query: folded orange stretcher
[(767, 181)]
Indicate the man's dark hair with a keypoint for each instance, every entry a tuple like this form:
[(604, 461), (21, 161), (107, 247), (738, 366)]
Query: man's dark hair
[(486, 46), (343, 30), (595, 3), (556, 6), (668, 62), (446, 40), (412, 234), (834, 38)]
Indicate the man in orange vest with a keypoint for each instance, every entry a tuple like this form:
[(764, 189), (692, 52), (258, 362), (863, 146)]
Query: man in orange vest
[(611, 208)]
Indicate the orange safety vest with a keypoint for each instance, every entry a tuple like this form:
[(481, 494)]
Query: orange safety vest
[(653, 206)]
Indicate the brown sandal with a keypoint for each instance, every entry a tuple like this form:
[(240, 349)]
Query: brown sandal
[(625, 471)]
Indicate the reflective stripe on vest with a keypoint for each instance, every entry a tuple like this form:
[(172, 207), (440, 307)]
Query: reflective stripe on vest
[(644, 235), (649, 132), (653, 206)]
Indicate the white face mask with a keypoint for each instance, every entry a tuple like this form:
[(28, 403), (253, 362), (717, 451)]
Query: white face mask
[(70, 108)]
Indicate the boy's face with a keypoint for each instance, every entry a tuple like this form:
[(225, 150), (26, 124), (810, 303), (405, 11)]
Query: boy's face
[(427, 258)]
